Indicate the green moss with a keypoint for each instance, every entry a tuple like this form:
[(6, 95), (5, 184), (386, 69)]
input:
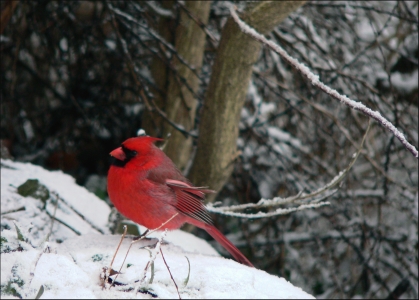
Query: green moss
[(33, 188), (13, 286), (97, 257), (3, 240)]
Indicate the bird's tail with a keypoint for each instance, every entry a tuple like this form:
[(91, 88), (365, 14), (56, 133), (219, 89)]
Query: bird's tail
[(219, 237)]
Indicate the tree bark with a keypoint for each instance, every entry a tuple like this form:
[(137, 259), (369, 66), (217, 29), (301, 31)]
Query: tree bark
[(236, 55), (179, 103)]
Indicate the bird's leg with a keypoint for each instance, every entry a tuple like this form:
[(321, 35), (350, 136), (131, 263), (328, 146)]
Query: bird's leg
[(141, 236)]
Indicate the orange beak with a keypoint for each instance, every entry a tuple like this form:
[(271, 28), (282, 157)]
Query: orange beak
[(118, 153)]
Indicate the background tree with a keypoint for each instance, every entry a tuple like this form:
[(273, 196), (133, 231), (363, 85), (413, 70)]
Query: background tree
[(77, 78), (225, 95)]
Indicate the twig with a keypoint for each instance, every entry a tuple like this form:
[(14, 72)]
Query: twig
[(53, 219), (64, 223), (314, 203), (363, 7), (168, 269), (166, 13), (149, 102), (152, 259), (198, 22), (107, 274), (13, 210), (305, 71), (142, 237), (159, 38), (156, 36), (260, 215), (158, 228), (79, 214), (400, 289), (179, 128)]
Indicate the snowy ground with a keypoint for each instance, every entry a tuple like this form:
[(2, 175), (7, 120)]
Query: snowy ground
[(70, 263)]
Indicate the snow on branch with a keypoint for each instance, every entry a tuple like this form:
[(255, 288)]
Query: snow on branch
[(304, 200), (259, 215), (305, 71), (167, 13)]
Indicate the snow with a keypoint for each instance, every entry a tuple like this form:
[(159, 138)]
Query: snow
[(159, 10), (405, 82), (75, 202), (110, 44), (315, 80), (70, 265)]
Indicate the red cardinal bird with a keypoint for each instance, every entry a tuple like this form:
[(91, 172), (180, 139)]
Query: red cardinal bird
[(146, 187)]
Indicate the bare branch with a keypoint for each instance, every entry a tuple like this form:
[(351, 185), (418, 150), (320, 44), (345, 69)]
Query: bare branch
[(171, 276), (312, 202), (305, 71)]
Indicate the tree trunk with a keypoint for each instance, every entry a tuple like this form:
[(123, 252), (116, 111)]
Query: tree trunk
[(236, 55), (179, 103)]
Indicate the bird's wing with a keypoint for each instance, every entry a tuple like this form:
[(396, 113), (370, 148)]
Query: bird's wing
[(189, 200)]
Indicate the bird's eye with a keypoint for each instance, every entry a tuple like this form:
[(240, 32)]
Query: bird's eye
[(129, 153)]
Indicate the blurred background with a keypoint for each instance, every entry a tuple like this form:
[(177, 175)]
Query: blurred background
[(79, 77)]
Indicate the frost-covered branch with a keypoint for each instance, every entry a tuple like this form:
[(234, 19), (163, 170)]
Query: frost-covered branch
[(259, 215), (305, 200), (166, 13), (305, 71)]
